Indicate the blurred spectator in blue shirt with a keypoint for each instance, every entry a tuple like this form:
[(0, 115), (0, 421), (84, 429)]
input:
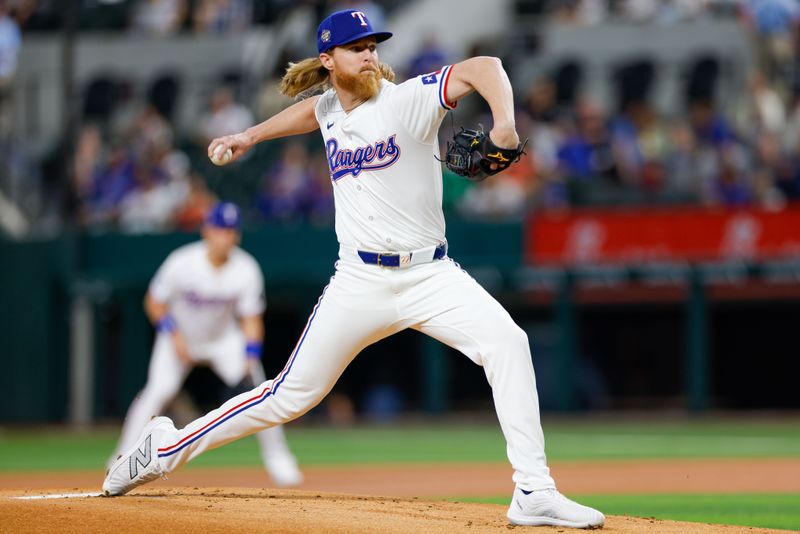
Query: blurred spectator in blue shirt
[(430, 56), (772, 17), (111, 182), (732, 184), (710, 127), (286, 184), (10, 44), (774, 26), (319, 206), (586, 153)]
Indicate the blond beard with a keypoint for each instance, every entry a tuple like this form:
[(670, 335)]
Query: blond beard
[(363, 85)]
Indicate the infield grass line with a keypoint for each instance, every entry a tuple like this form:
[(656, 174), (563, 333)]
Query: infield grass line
[(58, 449)]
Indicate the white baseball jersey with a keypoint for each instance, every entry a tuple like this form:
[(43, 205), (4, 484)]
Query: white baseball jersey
[(204, 300), (387, 182)]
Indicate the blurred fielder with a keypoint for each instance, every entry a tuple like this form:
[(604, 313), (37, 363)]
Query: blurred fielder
[(393, 271), (206, 301)]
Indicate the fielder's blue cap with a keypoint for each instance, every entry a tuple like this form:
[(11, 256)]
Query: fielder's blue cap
[(342, 27), (225, 215)]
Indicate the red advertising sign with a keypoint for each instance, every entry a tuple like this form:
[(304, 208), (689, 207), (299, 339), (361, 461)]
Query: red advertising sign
[(662, 234)]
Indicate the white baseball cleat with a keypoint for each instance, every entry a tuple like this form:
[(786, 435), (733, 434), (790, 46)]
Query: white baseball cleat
[(284, 471), (549, 507), (140, 464)]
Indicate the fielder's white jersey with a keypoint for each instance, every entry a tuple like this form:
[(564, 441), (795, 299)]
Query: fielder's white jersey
[(205, 301), (382, 159)]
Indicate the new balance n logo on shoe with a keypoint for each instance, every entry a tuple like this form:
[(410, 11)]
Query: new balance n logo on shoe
[(141, 457)]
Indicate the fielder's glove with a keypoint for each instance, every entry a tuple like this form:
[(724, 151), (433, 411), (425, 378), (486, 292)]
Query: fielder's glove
[(472, 154)]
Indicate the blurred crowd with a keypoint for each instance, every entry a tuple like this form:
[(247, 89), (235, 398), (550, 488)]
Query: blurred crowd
[(593, 12), (131, 169), (167, 17), (143, 180), (581, 153)]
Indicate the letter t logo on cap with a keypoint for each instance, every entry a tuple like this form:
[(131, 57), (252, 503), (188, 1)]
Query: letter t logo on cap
[(361, 16)]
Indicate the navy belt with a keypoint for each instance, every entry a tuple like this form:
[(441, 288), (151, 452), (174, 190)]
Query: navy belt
[(402, 259)]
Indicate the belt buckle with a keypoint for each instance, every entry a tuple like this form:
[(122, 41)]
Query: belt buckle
[(388, 255)]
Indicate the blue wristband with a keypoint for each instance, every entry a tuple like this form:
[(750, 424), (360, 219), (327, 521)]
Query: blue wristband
[(253, 350), (166, 324)]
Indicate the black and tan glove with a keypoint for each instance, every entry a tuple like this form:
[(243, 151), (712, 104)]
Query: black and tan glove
[(473, 155)]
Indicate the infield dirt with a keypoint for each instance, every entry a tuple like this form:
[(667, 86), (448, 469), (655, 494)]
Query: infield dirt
[(191, 510)]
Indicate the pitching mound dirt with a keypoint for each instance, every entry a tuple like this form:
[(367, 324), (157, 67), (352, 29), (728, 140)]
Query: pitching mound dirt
[(229, 510)]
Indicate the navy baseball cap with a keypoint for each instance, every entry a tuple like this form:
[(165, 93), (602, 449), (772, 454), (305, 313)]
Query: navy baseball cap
[(344, 27), (225, 215)]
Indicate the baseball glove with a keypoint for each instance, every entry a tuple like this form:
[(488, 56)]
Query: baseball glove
[(473, 155)]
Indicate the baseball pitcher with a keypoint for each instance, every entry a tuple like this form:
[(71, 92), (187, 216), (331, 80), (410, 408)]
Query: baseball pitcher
[(394, 271)]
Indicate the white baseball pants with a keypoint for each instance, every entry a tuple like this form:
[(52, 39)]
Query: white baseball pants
[(366, 303), (166, 374)]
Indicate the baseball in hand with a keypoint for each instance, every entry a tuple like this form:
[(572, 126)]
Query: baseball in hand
[(220, 158)]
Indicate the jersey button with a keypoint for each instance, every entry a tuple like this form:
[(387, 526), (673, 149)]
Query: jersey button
[(358, 187), (388, 239), (371, 218)]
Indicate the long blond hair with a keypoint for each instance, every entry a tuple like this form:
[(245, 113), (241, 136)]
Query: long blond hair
[(308, 76)]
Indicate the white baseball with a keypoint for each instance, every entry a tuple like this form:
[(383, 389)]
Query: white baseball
[(218, 158)]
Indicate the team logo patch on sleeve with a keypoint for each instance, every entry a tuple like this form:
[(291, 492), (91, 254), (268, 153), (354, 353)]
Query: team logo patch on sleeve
[(430, 78)]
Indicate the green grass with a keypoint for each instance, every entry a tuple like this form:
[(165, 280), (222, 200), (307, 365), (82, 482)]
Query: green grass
[(54, 449), (695, 439), (754, 510)]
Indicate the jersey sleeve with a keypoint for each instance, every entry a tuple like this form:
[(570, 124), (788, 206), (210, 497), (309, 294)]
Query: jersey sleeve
[(164, 284), (421, 103), (251, 299), (317, 107), (324, 102)]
